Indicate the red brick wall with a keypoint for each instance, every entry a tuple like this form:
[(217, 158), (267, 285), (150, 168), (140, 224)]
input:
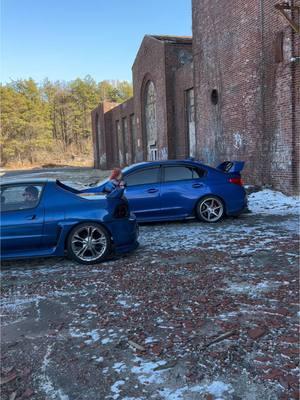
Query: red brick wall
[(296, 96), (158, 60), (279, 99), (118, 113), (176, 56), (100, 132), (234, 52), (150, 65)]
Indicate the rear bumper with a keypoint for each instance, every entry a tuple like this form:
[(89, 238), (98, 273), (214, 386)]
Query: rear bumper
[(124, 233), (238, 207), (125, 249)]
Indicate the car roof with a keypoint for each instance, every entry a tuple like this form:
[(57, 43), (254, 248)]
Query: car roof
[(165, 162), (25, 181)]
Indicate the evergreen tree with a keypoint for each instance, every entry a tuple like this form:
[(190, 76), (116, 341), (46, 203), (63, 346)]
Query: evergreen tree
[(52, 119)]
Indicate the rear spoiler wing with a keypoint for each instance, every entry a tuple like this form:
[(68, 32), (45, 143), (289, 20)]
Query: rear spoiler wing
[(231, 166)]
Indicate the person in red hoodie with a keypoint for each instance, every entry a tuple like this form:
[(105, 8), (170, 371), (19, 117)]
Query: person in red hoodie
[(115, 180)]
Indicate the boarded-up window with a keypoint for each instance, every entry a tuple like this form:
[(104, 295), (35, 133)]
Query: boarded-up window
[(133, 137), (125, 139), (97, 139), (120, 143), (278, 47)]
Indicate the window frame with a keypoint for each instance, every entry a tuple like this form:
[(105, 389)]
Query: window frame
[(142, 170), (24, 185), (194, 167)]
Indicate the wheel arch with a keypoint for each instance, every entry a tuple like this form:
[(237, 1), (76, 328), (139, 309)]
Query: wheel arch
[(84, 222), (208, 195)]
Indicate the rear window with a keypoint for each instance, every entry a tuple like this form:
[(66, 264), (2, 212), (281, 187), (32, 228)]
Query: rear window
[(181, 173), (66, 187), (146, 176)]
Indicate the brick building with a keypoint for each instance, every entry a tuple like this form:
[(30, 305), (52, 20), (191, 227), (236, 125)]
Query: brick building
[(231, 92)]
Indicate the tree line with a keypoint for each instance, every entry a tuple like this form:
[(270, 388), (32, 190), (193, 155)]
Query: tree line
[(50, 122)]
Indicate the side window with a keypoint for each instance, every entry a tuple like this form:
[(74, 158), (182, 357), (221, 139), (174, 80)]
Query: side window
[(179, 173), (182, 173), (198, 173), (20, 197), (146, 176)]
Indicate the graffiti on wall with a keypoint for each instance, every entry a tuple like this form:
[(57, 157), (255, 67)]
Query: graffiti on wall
[(237, 140), (103, 160), (163, 153), (190, 117), (281, 152)]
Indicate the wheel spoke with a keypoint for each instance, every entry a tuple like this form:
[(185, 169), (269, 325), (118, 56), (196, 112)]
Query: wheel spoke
[(81, 251), (93, 231), (93, 252), (100, 240), (77, 239)]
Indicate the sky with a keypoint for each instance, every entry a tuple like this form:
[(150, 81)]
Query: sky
[(66, 39)]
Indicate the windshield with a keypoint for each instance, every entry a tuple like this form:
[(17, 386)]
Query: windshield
[(66, 187)]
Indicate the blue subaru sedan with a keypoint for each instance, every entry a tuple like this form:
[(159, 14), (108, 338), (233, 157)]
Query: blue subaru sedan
[(181, 189), (42, 218)]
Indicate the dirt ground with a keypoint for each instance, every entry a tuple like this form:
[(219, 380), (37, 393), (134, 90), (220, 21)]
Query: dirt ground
[(198, 311)]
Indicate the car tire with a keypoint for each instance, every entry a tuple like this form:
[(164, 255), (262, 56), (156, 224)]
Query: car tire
[(210, 209), (88, 243)]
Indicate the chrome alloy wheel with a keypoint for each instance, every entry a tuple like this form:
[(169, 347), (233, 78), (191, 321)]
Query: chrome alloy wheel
[(89, 243), (211, 209)]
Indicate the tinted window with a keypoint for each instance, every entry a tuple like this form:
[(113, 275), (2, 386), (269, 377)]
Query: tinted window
[(145, 176), (182, 173), (20, 197), (198, 173)]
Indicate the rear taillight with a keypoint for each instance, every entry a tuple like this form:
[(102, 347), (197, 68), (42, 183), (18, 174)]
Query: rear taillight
[(121, 211), (236, 181)]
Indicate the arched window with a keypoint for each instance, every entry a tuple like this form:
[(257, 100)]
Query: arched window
[(150, 120)]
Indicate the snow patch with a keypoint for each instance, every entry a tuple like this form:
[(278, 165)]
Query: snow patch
[(119, 367), (106, 340), (272, 202), (146, 373), (115, 388), (216, 389), (251, 289), (94, 336), (46, 383)]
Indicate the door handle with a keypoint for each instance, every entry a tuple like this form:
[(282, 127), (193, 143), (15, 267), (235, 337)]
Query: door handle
[(197, 185), (31, 217), (152, 190)]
